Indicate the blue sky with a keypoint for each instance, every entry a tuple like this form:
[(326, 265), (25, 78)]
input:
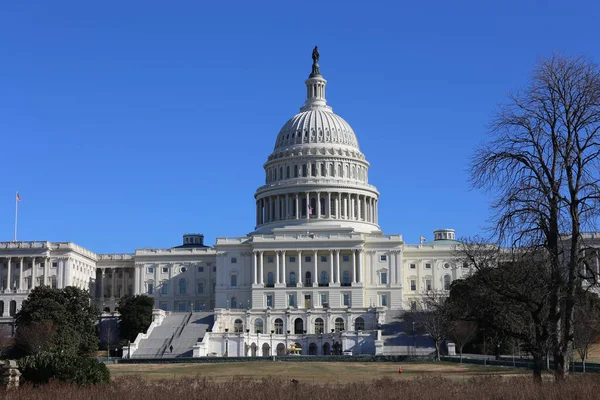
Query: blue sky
[(126, 124)]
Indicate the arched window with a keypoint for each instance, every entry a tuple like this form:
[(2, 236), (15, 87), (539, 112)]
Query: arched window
[(280, 173), (233, 280), (319, 326), (287, 172), (238, 326), (182, 286), (1, 308), (279, 326), (339, 324), (322, 206), (314, 170), (346, 278), (323, 170), (447, 282), (304, 170), (308, 278), (331, 169), (270, 279), (12, 310), (359, 324), (258, 326), (313, 206), (295, 171), (292, 278), (298, 326), (323, 278)]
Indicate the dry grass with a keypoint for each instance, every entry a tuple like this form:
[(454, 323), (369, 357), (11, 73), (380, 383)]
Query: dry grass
[(424, 388), (313, 372)]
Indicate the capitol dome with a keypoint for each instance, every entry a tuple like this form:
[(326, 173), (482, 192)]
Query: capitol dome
[(316, 175)]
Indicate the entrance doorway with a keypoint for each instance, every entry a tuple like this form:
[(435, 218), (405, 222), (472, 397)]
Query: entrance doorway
[(307, 301)]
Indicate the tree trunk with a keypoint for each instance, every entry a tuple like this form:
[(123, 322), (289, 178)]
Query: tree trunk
[(437, 351), (538, 366), (460, 351), (561, 366)]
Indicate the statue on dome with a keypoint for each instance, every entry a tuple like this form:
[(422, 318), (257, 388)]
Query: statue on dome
[(315, 66), (315, 54)]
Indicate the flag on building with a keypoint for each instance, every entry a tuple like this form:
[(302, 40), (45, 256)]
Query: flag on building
[(310, 211), (18, 196)]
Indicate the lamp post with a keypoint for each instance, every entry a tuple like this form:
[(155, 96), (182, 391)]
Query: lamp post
[(246, 346), (128, 348), (414, 338), (271, 348), (226, 343)]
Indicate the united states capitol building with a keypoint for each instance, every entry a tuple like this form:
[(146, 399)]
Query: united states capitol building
[(317, 275)]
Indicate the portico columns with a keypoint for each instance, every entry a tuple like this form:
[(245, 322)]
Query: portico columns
[(353, 266), (330, 266), (299, 280), (8, 276), (21, 273), (318, 204), (283, 267), (315, 278), (46, 270), (297, 208), (359, 271), (260, 263), (329, 205), (103, 284), (33, 273), (276, 266), (337, 266), (307, 206), (392, 272)]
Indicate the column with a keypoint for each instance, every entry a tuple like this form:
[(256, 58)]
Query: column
[(67, 268), (113, 281), (337, 266), (277, 208), (318, 203), (21, 273), (307, 205), (360, 267), (391, 268), (46, 271), (257, 208), (375, 211), (276, 266), (10, 288), (399, 266), (254, 267), (287, 206), (316, 271), (353, 266), (136, 279), (337, 206), (329, 205), (283, 267), (330, 267), (297, 208), (33, 273), (260, 263), (299, 280), (124, 281)]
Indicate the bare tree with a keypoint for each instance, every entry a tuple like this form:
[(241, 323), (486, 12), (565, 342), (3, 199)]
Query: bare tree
[(586, 324), (462, 333), (36, 337), (433, 317), (542, 165)]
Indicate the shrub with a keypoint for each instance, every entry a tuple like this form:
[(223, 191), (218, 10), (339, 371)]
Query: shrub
[(43, 367)]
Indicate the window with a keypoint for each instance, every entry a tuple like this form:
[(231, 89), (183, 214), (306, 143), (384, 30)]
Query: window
[(269, 259), (292, 278), (465, 265), (428, 284), (200, 269), (447, 282), (200, 288), (150, 288), (339, 324), (346, 278), (446, 265), (238, 326), (304, 170), (324, 301), (278, 326), (165, 288), (323, 278), (150, 270), (307, 259), (319, 326), (383, 278), (291, 300), (413, 284), (413, 266), (346, 258), (233, 260), (183, 269), (383, 257), (165, 270), (54, 282), (428, 266), (287, 172), (54, 265), (346, 298), (233, 280), (270, 279), (308, 278), (233, 302), (258, 326), (213, 286), (413, 306), (270, 300), (292, 259), (163, 306), (182, 286), (323, 259), (384, 301), (359, 324), (214, 268)]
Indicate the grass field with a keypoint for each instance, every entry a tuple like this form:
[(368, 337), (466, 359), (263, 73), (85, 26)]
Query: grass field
[(315, 372)]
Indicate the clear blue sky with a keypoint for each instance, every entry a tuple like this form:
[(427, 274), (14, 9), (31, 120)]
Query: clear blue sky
[(126, 124)]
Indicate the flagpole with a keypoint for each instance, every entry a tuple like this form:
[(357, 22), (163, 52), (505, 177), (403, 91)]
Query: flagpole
[(16, 214)]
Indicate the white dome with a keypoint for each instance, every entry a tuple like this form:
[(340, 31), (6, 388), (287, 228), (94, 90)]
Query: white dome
[(316, 126)]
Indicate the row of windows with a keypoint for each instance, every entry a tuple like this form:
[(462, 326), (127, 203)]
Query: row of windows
[(428, 265), (428, 286), (319, 326), (350, 171), (292, 259), (164, 287), (165, 270)]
